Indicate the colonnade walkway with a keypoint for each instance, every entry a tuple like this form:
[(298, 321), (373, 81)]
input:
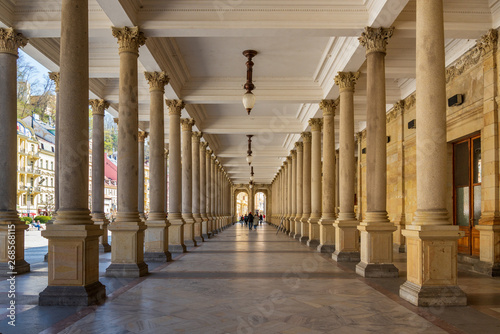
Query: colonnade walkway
[(255, 281)]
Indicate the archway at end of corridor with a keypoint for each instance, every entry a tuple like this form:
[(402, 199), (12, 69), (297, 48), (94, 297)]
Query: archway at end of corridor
[(241, 203), (260, 201)]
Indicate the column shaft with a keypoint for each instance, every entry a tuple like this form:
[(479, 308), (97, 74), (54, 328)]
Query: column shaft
[(432, 241), (10, 225), (346, 232), (316, 124), (203, 189), (140, 192), (176, 229), (195, 157), (300, 189), (293, 211), (73, 261), (376, 229)]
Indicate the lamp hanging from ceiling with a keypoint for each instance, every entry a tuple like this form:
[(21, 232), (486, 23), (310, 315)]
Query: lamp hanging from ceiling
[(249, 151), (248, 97), (251, 177)]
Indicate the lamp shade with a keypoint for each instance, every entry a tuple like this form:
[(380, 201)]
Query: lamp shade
[(251, 177), (248, 101), (249, 159), (251, 185)]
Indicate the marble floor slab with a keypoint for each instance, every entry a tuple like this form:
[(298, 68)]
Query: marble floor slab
[(255, 281)]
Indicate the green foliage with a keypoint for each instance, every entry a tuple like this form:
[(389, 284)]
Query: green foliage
[(27, 220), (43, 219), (110, 141)]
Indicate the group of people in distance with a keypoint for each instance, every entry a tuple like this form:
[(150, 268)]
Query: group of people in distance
[(249, 219)]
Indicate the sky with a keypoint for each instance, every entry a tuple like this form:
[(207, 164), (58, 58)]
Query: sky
[(37, 79)]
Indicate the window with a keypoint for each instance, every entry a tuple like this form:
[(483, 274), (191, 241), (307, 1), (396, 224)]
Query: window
[(51, 182), (53, 149), (52, 165), (42, 146), (46, 164)]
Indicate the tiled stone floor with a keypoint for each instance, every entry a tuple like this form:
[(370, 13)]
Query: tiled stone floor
[(245, 281)]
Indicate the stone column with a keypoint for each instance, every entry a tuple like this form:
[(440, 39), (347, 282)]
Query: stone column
[(326, 229), (176, 229), (156, 239), (286, 169), (219, 197), (208, 192), (213, 199), (376, 229), (346, 231), (127, 253), (293, 211), (360, 177), (489, 223), (98, 108), (289, 176), (400, 217), (251, 200), (195, 141), (142, 137), (432, 241), (203, 189), (306, 187), (11, 228), (166, 179), (316, 179), (299, 198), (187, 182), (73, 263)]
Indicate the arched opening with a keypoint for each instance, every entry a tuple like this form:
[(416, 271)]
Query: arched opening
[(260, 203), (241, 204)]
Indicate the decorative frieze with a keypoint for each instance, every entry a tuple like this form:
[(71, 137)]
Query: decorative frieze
[(10, 41), (346, 80), (375, 39), (488, 42), (129, 38), (175, 106), (328, 107), (156, 80), (98, 106)]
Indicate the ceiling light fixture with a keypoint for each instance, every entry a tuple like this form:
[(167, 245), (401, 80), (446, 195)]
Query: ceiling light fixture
[(249, 151), (248, 97), (251, 178)]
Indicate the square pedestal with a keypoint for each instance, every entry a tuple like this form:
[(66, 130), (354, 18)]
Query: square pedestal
[(176, 234), (156, 241), (12, 241), (326, 235), (346, 241)]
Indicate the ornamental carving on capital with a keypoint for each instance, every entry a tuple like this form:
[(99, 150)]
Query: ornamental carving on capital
[(289, 159), (156, 80), (328, 107), (10, 41), (487, 42), (166, 151), (203, 146), (316, 124), (293, 153), (196, 135), (346, 80), (213, 157), (375, 39), (115, 120), (55, 76), (187, 124), (299, 146), (306, 137), (129, 38), (175, 106), (142, 136), (98, 106)]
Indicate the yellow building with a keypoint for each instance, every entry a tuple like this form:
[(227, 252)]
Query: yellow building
[(28, 173)]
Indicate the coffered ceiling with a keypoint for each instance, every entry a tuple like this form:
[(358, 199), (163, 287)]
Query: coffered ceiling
[(302, 44)]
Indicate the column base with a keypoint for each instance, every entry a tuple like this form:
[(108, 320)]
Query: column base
[(199, 239), (91, 294), (375, 270), (127, 270), (105, 248), (206, 236), (341, 256), (177, 248), (99, 218), (399, 248), (432, 295), (325, 248), (176, 234), (304, 239), (312, 243), (21, 267), (190, 243), (297, 236), (157, 256)]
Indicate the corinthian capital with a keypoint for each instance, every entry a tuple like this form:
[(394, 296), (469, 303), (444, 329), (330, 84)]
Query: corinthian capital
[(10, 41), (129, 38), (54, 76), (196, 135), (187, 124), (346, 80), (203, 146), (142, 136), (316, 124), (98, 106), (299, 146), (375, 39), (175, 106), (156, 80), (328, 107), (306, 137)]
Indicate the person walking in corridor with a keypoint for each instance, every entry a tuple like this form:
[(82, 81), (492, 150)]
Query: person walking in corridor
[(250, 221)]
